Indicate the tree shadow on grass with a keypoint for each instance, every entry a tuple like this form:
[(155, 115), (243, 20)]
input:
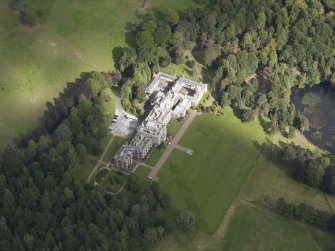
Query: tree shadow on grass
[(272, 152), (130, 36), (116, 53), (265, 125), (198, 53), (58, 110), (237, 111), (207, 74), (192, 206), (188, 71)]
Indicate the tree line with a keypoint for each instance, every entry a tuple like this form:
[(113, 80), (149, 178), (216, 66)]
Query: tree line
[(304, 165), (307, 214), (44, 206)]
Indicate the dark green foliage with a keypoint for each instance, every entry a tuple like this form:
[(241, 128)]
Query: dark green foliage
[(185, 220), (134, 89), (145, 40), (291, 132), (163, 35), (248, 115), (164, 57), (202, 2), (141, 74), (315, 173), (306, 214), (87, 125), (165, 201), (63, 133), (171, 17), (113, 78), (97, 82), (191, 63), (127, 58), (211, 53)]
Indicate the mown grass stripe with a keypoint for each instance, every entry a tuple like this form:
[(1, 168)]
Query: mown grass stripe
[(207, 182)]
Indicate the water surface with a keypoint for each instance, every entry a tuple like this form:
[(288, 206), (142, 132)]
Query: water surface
[(317, 103)]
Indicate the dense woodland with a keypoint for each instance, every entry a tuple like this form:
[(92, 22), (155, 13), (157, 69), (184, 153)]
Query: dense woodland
[(286, 43), (45, 207)]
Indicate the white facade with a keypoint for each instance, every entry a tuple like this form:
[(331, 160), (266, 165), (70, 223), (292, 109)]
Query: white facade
[(171, 97), (124, 157), (142, 145)]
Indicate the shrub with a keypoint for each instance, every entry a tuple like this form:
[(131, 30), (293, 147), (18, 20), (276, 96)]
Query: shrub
[(185, 221)]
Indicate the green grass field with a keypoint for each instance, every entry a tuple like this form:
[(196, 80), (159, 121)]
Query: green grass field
[(143, 172), (154, 157), (173, 127), (255, 229), (207, 182), (36, 63)]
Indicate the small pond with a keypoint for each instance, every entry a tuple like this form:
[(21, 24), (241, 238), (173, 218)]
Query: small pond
[(317, 103)]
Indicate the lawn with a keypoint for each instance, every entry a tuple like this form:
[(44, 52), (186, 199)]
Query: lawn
[(154, 157), (36, 63), (204, 99), (173, 127), (180, 70), (143, 172), (207, 182), (109, 106), (255, 229)]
